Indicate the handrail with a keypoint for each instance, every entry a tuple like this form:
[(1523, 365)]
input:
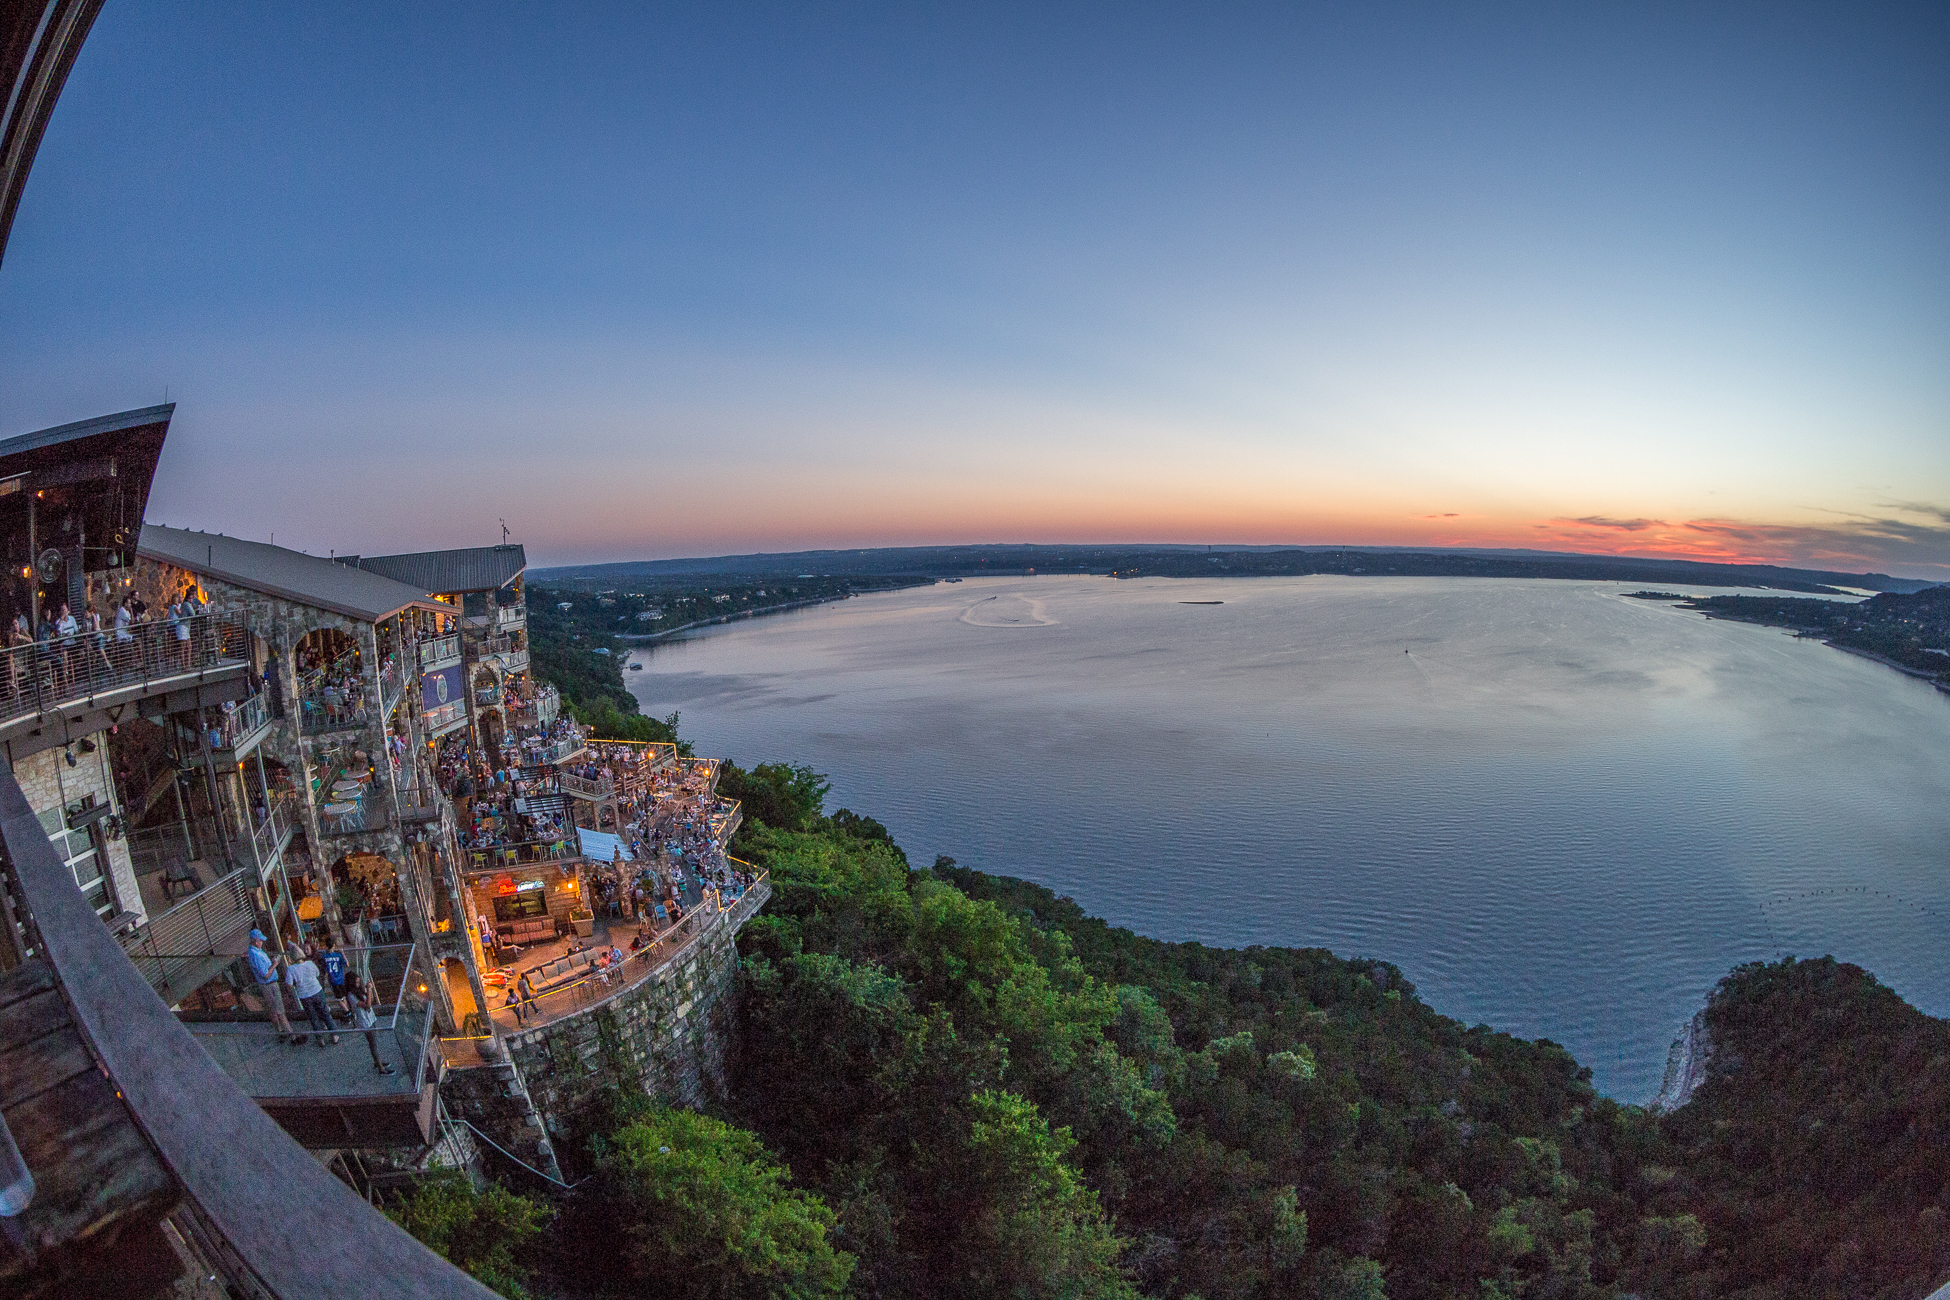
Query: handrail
[(583, 788), (240, 722), (436, 648), (42, 675), (291, 1226)]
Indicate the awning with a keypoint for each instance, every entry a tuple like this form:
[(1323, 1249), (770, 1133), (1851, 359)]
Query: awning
[(600, 846)]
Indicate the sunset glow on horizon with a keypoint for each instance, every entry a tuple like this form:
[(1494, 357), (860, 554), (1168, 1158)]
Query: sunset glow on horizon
[(715, 280)]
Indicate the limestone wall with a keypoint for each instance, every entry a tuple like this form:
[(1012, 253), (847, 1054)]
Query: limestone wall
[(667, 1036), (52, 786)]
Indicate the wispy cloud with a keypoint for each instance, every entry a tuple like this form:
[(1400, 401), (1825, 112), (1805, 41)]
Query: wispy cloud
[(1626, 525), (1911, 537)]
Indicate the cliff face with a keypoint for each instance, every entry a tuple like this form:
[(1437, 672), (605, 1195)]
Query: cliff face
[(665, 1036), (1686, 1067)]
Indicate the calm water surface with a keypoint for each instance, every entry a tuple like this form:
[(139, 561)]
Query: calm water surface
[(1559, 811)]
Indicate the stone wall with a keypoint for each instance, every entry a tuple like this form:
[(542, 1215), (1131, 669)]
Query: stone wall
[(666, 1036), (52, 786)]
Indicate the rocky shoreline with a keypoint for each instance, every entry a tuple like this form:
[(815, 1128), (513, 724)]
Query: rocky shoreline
[(1685, 1067)]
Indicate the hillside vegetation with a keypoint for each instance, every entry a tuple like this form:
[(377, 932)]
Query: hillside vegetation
[(956, 1085)]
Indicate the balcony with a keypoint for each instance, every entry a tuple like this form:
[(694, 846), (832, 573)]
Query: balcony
[(509, 617), (330, 1095), (332, 710), (417, 804), (352, 816), (501, 857), (105, 671), (392, 680), (439, 652), (673, 945), (556, 751), (581, 787), (241, 728)]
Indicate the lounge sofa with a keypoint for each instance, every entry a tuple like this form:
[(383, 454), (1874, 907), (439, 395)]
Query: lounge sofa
[(552, 975), (535, 929)]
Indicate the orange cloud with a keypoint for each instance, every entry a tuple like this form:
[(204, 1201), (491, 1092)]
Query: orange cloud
[(1920, 541)]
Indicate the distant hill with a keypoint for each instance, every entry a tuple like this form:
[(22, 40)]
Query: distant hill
[(1179, 561)]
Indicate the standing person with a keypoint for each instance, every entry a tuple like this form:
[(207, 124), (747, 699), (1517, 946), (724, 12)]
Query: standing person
[(302, 974), (526, 987), (365, 1018), (333, 963), (179, 622), (514, 1004), (264, 970)]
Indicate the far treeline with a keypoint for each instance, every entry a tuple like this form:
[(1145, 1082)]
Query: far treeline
[(580, 649), (954, 1085), (1235, 562)]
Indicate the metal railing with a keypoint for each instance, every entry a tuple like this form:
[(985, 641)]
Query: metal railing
[(392, 679), (41, 675), (174, 950), (581, 787), (239, 724), (671, 945), (322, 713), (417, 803), (370, 815), (242, 1176), (252, 1051), (508, 615), (515, 660), (439, 650), (557, 751)]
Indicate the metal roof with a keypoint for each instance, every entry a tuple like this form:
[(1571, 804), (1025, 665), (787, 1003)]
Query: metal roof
[(473, 568), (62, 433), (307, 579)]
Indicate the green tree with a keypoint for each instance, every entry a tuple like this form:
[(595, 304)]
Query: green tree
[(689, 1205), (1024, 1224), (483, 1232)]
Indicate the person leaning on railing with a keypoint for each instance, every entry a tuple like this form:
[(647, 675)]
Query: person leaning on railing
[(365, 1018)]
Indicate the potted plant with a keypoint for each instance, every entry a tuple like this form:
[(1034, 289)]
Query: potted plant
[(478, 1027), (351, 904), (584, 921)]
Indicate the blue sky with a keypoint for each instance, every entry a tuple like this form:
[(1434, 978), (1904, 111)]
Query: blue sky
[(697, 279)]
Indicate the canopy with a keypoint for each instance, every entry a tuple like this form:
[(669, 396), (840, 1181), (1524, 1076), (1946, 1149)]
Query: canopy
[(600, 846)]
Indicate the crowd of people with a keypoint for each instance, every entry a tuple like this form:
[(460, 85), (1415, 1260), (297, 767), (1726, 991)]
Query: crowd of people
[(132, 638)]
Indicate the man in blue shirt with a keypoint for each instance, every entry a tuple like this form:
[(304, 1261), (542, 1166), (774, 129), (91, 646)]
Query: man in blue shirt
[(332, 963), (264, 970)]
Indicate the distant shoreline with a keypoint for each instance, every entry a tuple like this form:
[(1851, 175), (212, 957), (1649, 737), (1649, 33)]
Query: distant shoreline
[(635, 638)]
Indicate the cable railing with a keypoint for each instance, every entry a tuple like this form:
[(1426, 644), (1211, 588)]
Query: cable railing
[(392, 677), (175, 951), (237, 725), (38, 676)]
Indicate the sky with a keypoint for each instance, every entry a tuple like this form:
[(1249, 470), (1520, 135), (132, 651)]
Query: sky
[(691, 279)]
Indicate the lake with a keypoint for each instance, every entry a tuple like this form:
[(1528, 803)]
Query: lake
[(1560, 811)]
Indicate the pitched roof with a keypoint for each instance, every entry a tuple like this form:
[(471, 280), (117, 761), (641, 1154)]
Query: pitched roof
[(307, 579), (473, 568)]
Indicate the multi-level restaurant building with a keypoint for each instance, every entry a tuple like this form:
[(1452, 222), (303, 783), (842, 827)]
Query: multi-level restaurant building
[(217, 737), (205, 737)]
